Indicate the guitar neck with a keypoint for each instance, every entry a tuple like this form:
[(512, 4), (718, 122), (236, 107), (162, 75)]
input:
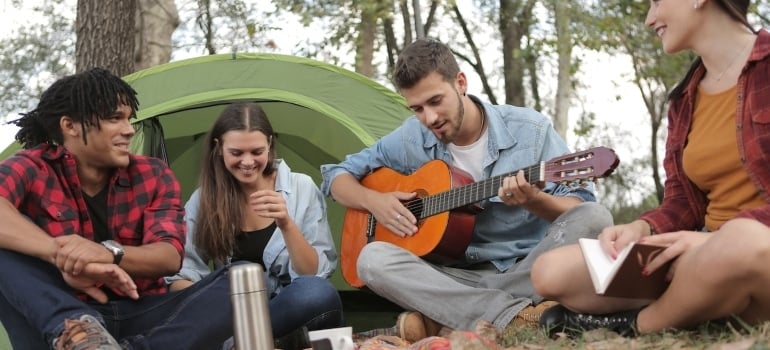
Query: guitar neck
[(473, 193)]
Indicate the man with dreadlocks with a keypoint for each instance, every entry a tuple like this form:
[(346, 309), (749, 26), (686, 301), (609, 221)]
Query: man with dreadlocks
[(89, 230)]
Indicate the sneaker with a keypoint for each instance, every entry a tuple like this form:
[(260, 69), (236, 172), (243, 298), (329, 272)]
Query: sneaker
[(560, 319), (85, 333), (414, 326), (530, 315)]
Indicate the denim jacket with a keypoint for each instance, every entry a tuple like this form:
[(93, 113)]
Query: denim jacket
[(518, 138), (305, 204)]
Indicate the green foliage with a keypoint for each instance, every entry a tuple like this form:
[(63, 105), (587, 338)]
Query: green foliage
[(619, 27), (225, 26), (341, 17), (759, 13), (35, 55), (586, 124)]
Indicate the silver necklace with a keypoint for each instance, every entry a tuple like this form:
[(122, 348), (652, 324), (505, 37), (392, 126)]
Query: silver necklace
[(719, 77)]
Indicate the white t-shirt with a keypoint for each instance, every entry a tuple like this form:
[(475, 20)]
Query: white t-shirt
[(470, 158)]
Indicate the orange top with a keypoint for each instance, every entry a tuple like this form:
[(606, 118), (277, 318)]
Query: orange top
[(711, 160)]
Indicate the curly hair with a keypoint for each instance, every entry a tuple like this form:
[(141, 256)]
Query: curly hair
[(85, 97)]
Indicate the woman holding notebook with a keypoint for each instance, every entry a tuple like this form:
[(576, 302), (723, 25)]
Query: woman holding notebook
[(715, 213)]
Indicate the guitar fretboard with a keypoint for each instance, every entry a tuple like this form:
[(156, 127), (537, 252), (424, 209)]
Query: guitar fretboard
[(472, 193)]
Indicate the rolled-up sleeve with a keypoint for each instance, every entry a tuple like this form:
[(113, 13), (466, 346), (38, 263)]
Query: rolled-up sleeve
[(194, 266)]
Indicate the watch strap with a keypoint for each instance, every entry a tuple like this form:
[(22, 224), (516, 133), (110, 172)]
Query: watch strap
[(116, 249)]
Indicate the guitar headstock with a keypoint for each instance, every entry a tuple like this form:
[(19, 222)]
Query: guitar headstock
[(582, 166)]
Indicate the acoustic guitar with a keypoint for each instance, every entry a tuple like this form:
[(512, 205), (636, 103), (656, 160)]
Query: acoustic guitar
[(446, 204)]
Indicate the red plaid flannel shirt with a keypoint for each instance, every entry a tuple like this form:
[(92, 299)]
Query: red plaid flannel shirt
[(143, 202), (684, 205)]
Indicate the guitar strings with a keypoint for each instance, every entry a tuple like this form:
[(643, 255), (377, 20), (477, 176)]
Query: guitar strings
[(439, 202)]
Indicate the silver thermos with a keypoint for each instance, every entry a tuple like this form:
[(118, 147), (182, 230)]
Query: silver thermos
[(251, 316)]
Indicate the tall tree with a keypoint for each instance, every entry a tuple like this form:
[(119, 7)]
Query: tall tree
[(106, 35), (156, 21), (562, 19), (515, 19), (419, 30)]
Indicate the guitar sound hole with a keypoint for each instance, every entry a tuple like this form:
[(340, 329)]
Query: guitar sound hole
[(417, 206)]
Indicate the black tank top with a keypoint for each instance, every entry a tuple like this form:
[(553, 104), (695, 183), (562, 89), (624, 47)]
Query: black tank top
[(251, 245)]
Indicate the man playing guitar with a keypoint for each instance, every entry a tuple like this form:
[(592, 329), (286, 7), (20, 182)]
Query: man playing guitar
[(513, 225)]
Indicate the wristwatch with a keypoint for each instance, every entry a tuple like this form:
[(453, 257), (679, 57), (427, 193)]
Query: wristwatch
[(116, 249)]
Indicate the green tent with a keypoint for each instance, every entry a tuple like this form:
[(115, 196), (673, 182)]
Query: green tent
[(319, 111)]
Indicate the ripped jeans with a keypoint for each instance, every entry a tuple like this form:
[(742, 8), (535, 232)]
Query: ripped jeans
[(460, 297), (35, 301)]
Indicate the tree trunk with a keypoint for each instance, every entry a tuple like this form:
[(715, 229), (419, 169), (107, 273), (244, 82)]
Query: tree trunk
[(407, 18), (365, 43), (564, 79), (391, 45), (205, 22), (156, 21), (514, 23), (105, 35), (418, 25)]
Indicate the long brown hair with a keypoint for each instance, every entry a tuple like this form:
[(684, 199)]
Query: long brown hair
[(737, 10), (219, 215)]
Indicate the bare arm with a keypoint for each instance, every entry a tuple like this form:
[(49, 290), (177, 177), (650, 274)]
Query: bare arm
[(74, 252), (21, 235), (387, 208), (348, 191), (152, 260)]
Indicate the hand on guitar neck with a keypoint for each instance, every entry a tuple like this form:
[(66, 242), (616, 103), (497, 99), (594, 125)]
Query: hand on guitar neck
[(515, 190)]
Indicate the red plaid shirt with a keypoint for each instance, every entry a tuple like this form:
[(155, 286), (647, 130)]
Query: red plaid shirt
[(684, 205), (143, 202)]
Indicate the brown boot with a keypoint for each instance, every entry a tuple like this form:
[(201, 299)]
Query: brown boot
[(85, 333), (530, 315), (413, 326)]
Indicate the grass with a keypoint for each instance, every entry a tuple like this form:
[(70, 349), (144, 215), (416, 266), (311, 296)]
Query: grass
[(723, 337), (707, 337), (5, 344)]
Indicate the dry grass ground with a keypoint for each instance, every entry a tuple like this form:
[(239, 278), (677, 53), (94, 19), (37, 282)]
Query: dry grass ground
[(711, 337)]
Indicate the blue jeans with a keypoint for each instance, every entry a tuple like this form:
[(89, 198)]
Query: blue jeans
[(35, 301), (309, 301)]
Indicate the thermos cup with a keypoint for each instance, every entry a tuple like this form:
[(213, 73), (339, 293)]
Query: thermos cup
[(251, 316)]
